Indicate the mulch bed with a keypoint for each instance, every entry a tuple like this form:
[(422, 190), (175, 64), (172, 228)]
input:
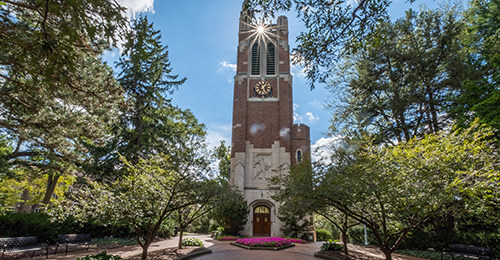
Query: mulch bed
[(170, 253), (339, 255)]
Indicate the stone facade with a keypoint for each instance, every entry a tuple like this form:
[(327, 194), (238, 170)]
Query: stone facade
[(265, 142)]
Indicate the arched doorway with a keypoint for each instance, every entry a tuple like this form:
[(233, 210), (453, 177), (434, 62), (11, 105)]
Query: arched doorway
[(261, 221)]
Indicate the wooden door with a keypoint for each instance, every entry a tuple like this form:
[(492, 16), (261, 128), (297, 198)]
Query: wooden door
[(262, 221)]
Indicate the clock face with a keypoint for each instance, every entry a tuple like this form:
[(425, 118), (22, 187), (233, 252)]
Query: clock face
[(263, 88)]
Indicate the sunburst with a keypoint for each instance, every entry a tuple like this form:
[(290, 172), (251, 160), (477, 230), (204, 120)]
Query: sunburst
[(260, 31)]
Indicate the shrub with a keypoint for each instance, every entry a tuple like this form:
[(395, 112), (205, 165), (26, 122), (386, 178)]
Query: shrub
[(166, 229), (38, 224), (331, 246), (192, 242), (232, 214), (323, 235), (100, 256)]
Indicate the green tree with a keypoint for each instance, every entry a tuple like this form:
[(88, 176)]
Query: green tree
[(394, 190), (222, 153), (149, 124), (232, 212), (57, 94), (150, 193), (207, 194), (300, 199), (479, 96), (399, 85), (397, 189)]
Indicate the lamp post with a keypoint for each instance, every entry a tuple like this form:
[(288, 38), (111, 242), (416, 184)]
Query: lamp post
[(366, 237)]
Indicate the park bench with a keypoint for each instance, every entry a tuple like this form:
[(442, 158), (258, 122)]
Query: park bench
[(75, 240), (467, 251), (22, 244)]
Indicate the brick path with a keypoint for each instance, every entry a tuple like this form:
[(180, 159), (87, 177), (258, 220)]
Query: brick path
[(224, 251)]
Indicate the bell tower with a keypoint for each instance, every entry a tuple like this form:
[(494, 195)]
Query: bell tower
[(265, 142)]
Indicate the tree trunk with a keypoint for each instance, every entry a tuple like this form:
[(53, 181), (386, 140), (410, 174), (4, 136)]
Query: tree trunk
[(181, 232), (51, 187), (144, 251), (344, 240), (388, 254)]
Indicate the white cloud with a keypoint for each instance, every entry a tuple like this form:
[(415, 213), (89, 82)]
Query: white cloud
[(299, 118), (297, 71), (217, 133), (322, 148), (226, 65), (137, 6), (311, 117), (316, 104), (296, 117)]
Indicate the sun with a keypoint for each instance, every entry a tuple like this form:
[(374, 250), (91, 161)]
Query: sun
[(260, 29)]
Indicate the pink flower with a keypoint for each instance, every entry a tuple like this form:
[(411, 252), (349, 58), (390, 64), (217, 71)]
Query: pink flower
[(264, 242)]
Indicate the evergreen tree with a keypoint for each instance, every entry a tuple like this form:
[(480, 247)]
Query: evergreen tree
[(149, 124), (479, 95), (399, 85)]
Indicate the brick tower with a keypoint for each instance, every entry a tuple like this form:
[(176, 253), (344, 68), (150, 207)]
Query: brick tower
[(265, 142)]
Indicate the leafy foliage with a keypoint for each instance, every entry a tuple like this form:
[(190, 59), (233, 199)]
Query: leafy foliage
[(331, 246), (398, 86), (323, 235), (101, 256), (479, 96), (397, 189), (332, 29), (57, 94), (39, 224), (232, 213), (143, 199), (207, 194), (223, 154)]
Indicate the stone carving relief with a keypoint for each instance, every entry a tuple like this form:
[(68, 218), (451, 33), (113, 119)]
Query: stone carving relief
[(262, 166)]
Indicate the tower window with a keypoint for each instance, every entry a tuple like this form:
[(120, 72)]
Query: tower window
[(255, 59), (299, 156), (271, 55)]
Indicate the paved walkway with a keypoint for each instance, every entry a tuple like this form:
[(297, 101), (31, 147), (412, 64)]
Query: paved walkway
[(224, 251)]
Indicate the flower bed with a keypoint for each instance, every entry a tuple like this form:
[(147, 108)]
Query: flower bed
[(264, 242), (227, 238), (296, 240)]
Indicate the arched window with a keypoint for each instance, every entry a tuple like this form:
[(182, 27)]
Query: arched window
[(299, 156), (255, 59), (271, 55), (261, 209)]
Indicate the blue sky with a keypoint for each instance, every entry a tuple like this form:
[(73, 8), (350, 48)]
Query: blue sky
[(202, 37)]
